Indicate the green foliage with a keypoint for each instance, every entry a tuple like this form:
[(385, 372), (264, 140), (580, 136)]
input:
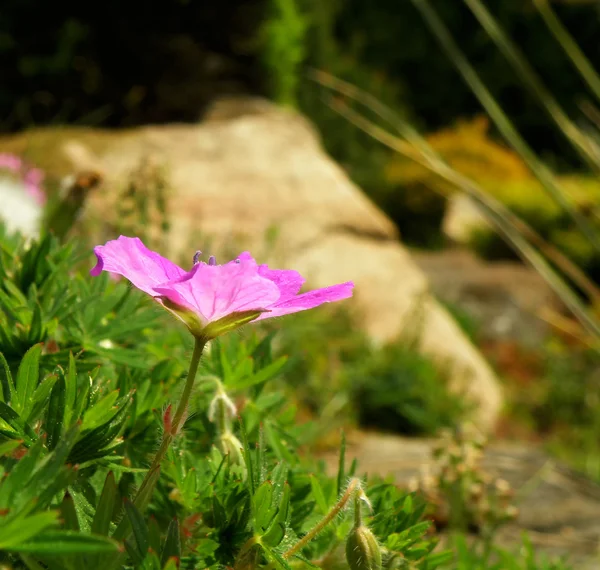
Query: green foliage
[(283, 49), (393, 387), (468, 558), (398, 389), (79, 425), (527, 201)]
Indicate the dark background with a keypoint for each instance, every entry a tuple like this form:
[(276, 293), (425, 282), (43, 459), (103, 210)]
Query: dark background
[(119, 63)]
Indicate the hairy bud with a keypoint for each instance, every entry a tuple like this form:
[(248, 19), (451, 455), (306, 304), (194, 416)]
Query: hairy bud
[(362, 550)]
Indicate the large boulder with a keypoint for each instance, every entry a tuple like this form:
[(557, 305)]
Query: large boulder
[(256, 175)]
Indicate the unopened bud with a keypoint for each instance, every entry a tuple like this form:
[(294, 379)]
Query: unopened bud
[(221, 409), (362, 550), (230, 445)]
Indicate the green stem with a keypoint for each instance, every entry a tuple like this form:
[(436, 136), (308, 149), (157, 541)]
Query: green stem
[(178, 418), (357, 511), (352, 487), (144, 493)]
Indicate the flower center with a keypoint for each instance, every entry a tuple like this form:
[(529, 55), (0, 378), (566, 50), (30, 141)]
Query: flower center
[(212, 260)]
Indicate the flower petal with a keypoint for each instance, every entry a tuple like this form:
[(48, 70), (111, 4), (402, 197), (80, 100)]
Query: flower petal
[(288, 281), (215, 291), (130, 258), (309, 300)]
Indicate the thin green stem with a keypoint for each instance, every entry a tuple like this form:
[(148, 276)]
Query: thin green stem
[(310, 535), (357, 511), (142, 497), (178, 418)]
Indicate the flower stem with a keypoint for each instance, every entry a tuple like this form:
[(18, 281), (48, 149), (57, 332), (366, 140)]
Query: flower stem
[(357, 511), (178, 418), (351, 489)]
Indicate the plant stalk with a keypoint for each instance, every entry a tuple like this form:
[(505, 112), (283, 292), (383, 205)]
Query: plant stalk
[(310, 535)]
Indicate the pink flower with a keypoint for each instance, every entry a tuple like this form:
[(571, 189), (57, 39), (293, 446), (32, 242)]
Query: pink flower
[(213, 299)]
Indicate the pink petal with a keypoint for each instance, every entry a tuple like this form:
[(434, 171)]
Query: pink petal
[(34, 176), (10, 162), (288, 281), (309, 300), (215, 291), (130, 258), (36, 193)]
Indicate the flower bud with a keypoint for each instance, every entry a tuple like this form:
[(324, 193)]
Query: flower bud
[(230, 445), (221, 410), (362, 550)]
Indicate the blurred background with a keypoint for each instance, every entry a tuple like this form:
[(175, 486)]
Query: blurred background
[(474, 129)]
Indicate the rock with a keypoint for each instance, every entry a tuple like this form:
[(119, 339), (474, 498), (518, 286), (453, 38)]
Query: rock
[(506, 299), (462, 218), (259, 178)]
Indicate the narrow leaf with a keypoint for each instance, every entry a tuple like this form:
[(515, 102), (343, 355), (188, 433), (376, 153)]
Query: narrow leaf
[(27, 378), (172, 548), (105, 507)]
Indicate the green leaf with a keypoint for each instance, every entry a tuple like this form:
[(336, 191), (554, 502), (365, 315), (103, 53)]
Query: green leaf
[(67, 543), (27, 379), (22, 529), (100, 412), (139, 527), (276, 533), (154, 534), (46, 475), (277, 444), (9, 446), (172, 564), (248, 458), (105, 507), (172, 548), (261, 507), (21, 472), (141, 501), (219, 515), (31, 563), (94, 443), (6, 380), (19, 427), (69, 514), (70, 390), (55, 413), (40, 396), (318, 494), (36, 329), (266, 373)]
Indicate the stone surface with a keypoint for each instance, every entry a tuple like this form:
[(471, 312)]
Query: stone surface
[(558, 508), (462, 218), (506, 299), (255, 176)]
